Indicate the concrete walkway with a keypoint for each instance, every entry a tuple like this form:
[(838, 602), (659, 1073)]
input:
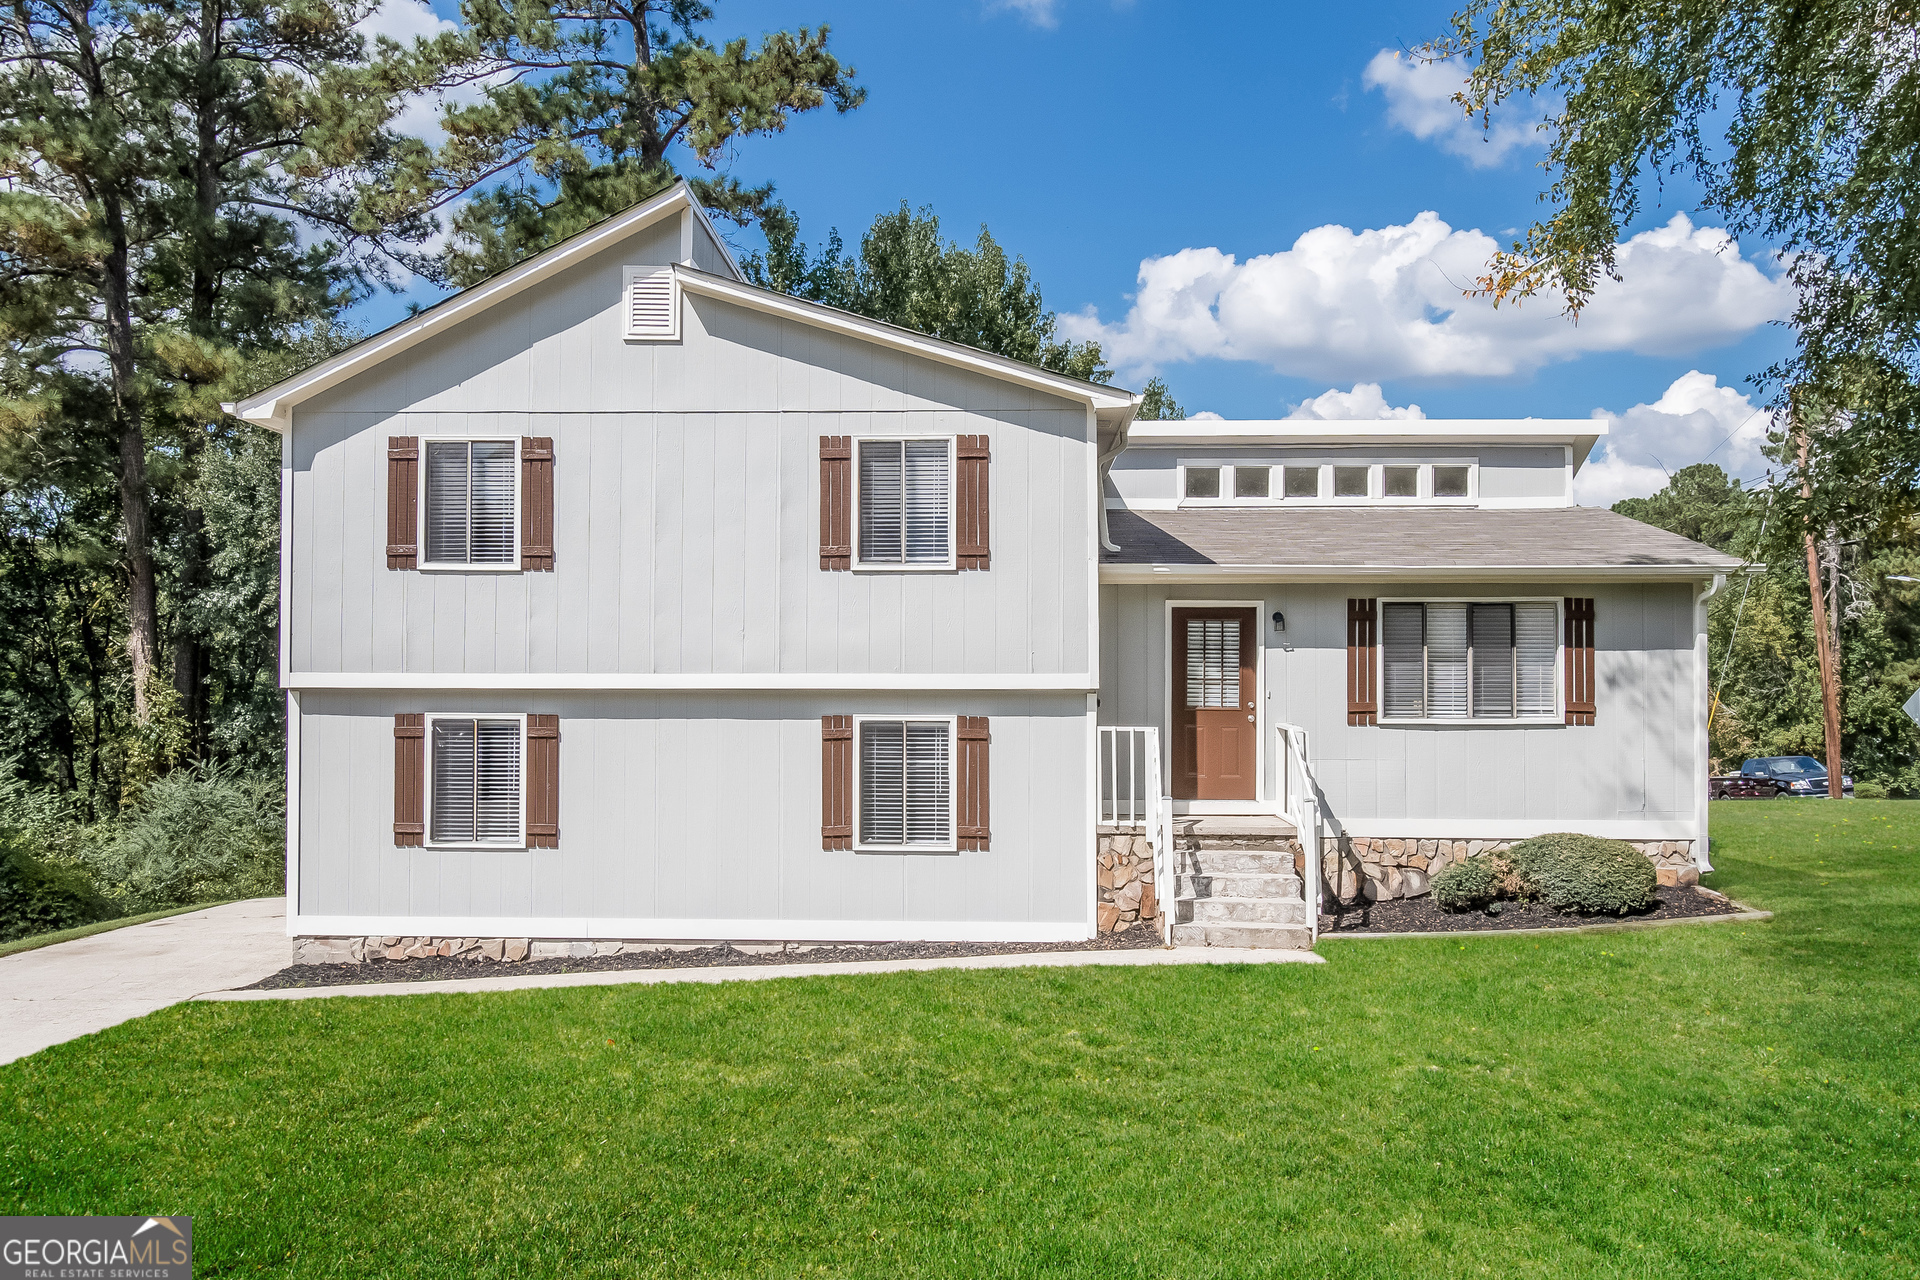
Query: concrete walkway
[(72, 989), (759, 972)]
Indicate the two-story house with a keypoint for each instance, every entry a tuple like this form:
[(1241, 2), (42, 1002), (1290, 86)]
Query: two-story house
[(623, 601)]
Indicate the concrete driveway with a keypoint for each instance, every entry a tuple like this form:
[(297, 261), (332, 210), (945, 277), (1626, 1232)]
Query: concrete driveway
[(73, 989)]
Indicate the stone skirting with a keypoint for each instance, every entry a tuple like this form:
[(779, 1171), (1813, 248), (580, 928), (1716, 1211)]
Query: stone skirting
[(1373, 868), (1124, 872)]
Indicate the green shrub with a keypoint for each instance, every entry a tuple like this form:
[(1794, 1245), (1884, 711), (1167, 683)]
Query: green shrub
[(40, 897), (198, 835), (1466, 886), (1869, 791), (1585, 873)]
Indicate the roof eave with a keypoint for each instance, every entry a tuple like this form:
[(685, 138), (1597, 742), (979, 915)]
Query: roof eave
[(1134, 572)]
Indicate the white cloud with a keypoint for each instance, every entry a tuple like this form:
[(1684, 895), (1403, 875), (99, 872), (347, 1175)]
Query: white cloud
[(405, 21), (1041, 13), (1343, 305), (1364, 402), (1420, 100), (1694, 420)]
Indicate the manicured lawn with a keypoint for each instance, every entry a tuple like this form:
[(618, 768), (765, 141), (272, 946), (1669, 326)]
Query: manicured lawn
[(1739, 1100)]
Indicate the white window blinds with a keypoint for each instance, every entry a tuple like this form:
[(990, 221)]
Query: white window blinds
[(906, 782), (906, 510), (470, 501), (475, 786), (1455, 661), (1213, 662)]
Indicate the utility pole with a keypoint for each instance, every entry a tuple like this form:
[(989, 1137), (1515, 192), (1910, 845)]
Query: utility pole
[(1823, 626)]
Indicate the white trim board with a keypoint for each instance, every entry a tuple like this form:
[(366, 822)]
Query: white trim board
[(1515, 828), (669, 929), (1571, 575), (720, 682)]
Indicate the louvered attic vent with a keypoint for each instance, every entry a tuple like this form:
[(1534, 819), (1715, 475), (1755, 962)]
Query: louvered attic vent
[(653, 304)]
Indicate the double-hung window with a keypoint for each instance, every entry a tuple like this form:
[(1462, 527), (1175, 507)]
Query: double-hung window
[(475, 780), (906, 503), (1469, 660), (905, 779), (472, 496)]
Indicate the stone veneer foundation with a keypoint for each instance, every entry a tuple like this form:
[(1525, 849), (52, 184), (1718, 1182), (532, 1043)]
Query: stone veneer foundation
[(1124, 874), (1371, 867)]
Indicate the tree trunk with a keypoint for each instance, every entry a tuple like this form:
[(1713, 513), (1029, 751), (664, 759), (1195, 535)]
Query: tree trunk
[(1823, 641), (143, 621)]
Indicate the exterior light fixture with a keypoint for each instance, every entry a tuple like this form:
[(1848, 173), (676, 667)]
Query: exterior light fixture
[(1279, 622)]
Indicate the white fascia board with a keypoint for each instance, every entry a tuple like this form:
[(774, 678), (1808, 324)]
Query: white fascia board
[(656, 929), (1302, 431), (1116, 403), (1189, 573), (273, 407), (1516, 828), (718, 682)]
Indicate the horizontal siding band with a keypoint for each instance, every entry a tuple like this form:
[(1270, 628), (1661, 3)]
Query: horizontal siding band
[(720, 682), (697, 930)]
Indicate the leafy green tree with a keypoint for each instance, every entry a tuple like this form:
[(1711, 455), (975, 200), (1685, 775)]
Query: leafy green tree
[(158, 152), (1798, 121), (580, 107), (1156, 404), (905, 274)]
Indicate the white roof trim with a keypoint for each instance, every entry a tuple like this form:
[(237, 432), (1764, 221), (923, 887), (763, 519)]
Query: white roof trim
[(883, 334), (1137, 573), (273, 407)]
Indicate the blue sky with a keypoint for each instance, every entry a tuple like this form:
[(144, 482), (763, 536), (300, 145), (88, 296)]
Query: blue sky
[(1094, 136)]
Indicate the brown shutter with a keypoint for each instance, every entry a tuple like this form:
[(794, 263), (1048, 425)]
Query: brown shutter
[(543, 782), (1363, 699), (403, 501), (1579, 661), (536, 502), (970, 503), (836, 502), (836, 782), (409, 779), (971, 811)]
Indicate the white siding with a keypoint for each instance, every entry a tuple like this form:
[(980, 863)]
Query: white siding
[(1634, 764), (687, 525), (697, 806)]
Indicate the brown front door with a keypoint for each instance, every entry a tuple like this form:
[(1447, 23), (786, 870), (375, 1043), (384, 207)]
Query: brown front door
[(1214, 712)]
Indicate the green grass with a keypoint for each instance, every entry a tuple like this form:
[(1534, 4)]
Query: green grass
[(35, 941), (1731, 1099)]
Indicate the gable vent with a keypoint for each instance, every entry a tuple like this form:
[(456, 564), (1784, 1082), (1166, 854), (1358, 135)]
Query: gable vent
[(653, 304)]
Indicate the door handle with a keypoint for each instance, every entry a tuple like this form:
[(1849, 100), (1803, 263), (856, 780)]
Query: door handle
[(1249, 717)]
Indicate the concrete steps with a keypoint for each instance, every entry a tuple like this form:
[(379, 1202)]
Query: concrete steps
[(1236, 884)]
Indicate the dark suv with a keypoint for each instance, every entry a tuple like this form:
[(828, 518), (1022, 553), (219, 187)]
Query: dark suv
[(1801, 775)]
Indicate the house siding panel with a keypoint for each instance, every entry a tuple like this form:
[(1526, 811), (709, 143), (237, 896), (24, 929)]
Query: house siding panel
[(1634, 764), (652, 825)]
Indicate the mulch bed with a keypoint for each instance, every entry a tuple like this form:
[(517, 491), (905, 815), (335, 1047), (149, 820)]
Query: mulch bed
[(442, 968), (1422, 915)]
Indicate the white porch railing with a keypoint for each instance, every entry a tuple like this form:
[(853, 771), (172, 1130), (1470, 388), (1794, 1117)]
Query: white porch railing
[(1299, 803), (1133, 794)]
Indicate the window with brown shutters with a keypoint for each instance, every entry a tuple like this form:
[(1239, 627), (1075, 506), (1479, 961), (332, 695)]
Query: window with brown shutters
[(836, 502), (409, 779), (536, 502), (973, 815), (836, 782), (1363, 697), (970, 513), (403, 500), (543, 782), (1579, 661)]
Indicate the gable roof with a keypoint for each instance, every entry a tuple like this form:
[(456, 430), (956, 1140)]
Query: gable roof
[(273, 406), (1434, 542)]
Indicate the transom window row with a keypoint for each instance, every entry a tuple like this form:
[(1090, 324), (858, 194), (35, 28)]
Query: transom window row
[(1247, 482)]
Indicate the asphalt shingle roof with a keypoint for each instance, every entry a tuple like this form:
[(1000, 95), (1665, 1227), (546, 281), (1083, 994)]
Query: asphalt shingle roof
[(1375, 537)]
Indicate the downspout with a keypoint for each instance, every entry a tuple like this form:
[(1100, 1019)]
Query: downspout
[(1103, 463), (1701, 861)]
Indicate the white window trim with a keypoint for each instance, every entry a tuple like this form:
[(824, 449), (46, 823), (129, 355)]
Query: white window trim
[(1557, 717), (426, 805), (676, 303), (952, 563), (952, 844), (420, 532), (1276, 484)]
